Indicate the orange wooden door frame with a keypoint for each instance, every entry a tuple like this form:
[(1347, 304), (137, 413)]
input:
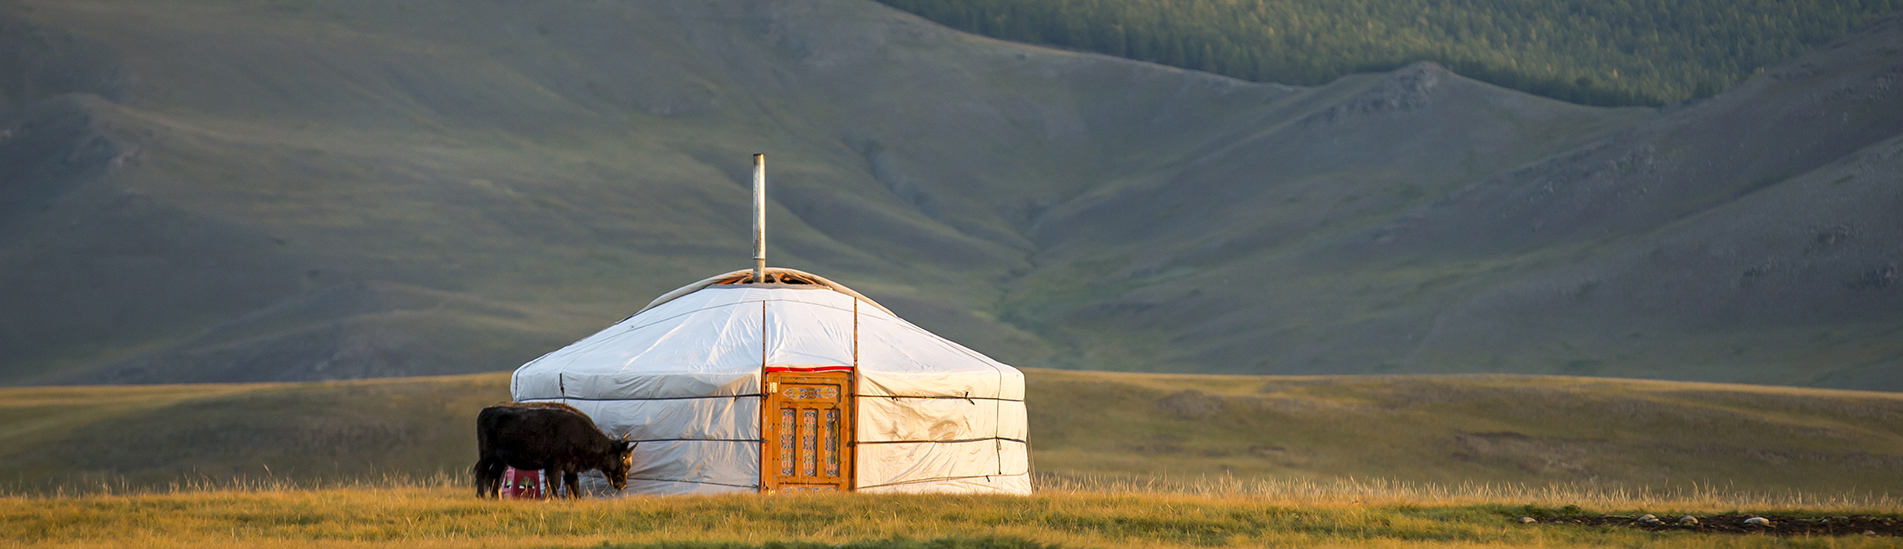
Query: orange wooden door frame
[(808, 434)]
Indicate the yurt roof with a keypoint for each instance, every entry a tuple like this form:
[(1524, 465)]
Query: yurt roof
[(715, 337)]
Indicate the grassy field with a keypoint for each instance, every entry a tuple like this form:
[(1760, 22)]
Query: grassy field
[(442, 514), (1468, 429), (1122, 460), (1086, 427)]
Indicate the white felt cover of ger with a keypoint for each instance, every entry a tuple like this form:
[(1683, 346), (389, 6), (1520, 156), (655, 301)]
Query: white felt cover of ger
[(717, 418), (1019, 485), (896, 463), (689, 347), (808, 334), (938, 419), (898, 358)]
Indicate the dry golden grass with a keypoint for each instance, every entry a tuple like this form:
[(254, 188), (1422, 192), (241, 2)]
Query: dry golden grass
[(440, 512)]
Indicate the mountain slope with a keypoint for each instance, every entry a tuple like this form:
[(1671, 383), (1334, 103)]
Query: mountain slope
[(223, 191), (602, 142), (534, 160), (1749, 238), (1586, 51)]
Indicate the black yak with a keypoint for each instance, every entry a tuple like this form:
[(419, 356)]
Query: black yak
[(552, 437)]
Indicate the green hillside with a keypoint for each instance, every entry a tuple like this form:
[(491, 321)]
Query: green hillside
[(1596, 52), (211, 191), (360, 189), (1086, 428)]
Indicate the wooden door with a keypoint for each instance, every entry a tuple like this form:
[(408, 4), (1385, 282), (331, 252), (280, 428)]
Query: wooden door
[(808, 432)]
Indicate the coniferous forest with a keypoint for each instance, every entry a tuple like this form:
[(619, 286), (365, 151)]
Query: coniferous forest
[(1596, 52)]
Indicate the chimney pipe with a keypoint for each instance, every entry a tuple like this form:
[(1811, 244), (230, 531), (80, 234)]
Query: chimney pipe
[(759, 218)]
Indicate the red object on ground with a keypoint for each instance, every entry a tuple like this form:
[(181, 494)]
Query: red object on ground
[(518, 484)]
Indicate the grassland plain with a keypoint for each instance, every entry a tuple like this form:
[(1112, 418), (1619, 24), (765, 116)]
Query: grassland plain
[(442, 514), (1086, 427)]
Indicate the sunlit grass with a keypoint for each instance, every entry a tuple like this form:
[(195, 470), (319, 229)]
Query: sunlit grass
[(1302, 491), (440, 511)]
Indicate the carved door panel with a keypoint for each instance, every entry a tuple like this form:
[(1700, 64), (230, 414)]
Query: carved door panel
[(808, 432)]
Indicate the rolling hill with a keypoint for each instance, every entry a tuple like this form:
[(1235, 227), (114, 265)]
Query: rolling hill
[(1660, 250), (231, 191), (1595, 52), (1440, 430)]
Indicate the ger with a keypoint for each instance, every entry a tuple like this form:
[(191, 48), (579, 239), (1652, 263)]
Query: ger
[(552, 437)]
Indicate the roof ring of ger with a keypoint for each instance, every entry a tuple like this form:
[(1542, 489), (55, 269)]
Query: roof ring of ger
[(773, 276), (779, 276)]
